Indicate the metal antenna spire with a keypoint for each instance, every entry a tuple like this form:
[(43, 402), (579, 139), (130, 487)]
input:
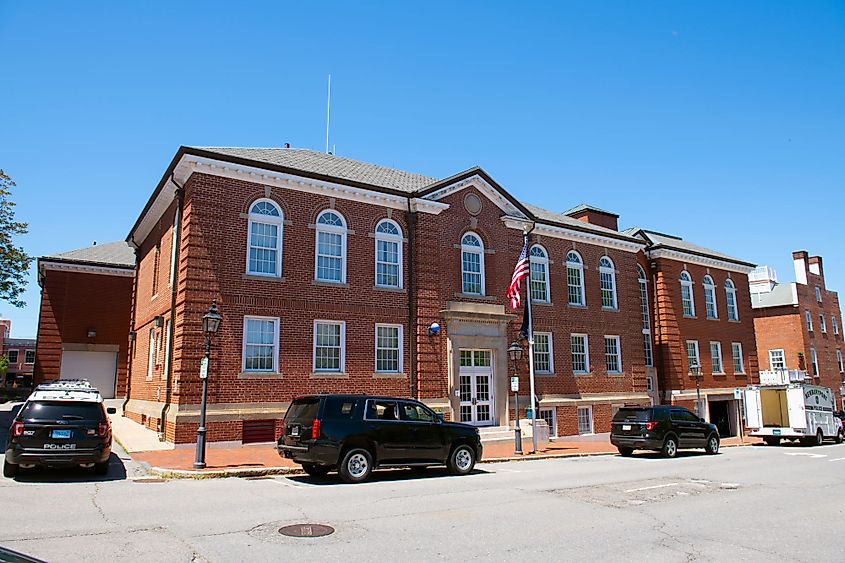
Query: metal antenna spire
[(328, 113)]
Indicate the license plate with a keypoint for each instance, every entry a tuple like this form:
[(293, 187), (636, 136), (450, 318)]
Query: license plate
[(776, 432), (60, 434), (59, 446), (294, 431), (626, 427)]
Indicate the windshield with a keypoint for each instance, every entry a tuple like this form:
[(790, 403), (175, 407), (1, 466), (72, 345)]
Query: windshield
[(303, 409), (61, 410), (635, 415)]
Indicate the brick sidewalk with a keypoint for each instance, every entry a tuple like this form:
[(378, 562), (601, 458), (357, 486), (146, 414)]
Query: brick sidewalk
[(265, 457)]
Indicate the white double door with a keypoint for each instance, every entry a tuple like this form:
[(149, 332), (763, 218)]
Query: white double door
[(475, 385)]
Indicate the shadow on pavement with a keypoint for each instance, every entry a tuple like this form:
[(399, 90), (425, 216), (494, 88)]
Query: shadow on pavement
[(384, 476), (7, 415), (658, 455), (117, 472)]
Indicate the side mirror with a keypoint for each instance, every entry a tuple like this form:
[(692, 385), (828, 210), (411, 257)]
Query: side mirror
[(111, 410), (701, 419), (440, 418)]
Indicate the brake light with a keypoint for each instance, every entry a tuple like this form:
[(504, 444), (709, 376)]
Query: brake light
[(651, 425), (102, 429), (315, 429), (17, 429)]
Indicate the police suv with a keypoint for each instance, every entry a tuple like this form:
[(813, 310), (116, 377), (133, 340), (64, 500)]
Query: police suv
[(62, 424)]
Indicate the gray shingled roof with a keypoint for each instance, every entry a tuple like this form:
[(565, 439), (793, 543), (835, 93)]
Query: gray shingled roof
[(117, 253), (560, 218), (329, 165), (779, 296), (588, 207), (684, 246)]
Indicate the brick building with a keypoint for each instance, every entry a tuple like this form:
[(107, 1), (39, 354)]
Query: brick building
[(331, 275), (799, 324), (20, 353), (83, 324), (704, 329)]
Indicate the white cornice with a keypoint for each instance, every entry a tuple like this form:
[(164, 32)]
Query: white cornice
[(679, 256), (573, 235), (484, 187), (87, 269)]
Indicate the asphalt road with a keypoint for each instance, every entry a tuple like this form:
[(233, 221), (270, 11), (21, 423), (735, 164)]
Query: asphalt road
[(750, 503)]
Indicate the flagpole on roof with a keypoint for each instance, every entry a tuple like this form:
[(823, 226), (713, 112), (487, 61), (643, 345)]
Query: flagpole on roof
[(534, 406)]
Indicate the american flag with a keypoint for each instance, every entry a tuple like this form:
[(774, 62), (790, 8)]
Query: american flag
[(520, 271)]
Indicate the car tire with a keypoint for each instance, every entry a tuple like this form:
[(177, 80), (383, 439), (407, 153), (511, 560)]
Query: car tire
[(9, 469), (101, 468), (712, 446), (772, 441), (625, 452), (315, 470), (670, 447), (819, 439), (461, 460), (839, 438), (356, 466)]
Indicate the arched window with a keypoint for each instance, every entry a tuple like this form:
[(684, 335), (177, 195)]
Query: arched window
[(607, 280), (388, 254), (710, 298), (330, 263), (472, 264), (539, 274), (646, 316), (575, 278), (264, 241), (686, 294), (730, 299)]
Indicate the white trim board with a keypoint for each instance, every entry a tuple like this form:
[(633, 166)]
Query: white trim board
[(685, 257)]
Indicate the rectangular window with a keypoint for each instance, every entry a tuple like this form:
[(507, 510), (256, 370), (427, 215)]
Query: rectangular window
[(539, 283), (329, 345), (686, 300), (388, 348), (716, 357), (839, 360), (736, 352), (649, 384), (543, 362), (608, 291), (809, 320), (710, 302), (818, 295), (471, 273), (585, 420), (776, 360), (156, 266), (580, 353), (646, 316), (647, 350), (573, 281), (550, 416), (834, 324), (151, 354), (692, 355), (29, 356), (387, 263), (171, 275), (612, 357), (263, 248), (13, 356), (731, 301), (329, 257), (822, 324), (166, 369), (814, 361), (260, 344)]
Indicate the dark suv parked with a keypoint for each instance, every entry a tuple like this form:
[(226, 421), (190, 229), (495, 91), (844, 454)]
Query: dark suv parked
[(663, 428), (357, 433), (61, 424)]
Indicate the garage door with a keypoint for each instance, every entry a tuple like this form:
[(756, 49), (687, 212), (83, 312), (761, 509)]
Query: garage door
[(99, 368)]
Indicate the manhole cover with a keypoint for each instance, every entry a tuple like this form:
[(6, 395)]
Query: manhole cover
[(306, 530)]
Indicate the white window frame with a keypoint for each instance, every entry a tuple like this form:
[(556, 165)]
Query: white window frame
[(718, 350), (618, 354), (471, 249), (542, 262), (343, 231), (818, 294), (611, 271), (782, 360), (822, 324), (553, 417), (166, 369), (649, 384), (814, 362), (694, 344), (25, 354), (736, 354), (645, 312), (342, 362), (172, 276), (551, 369), (253, 218), (589, 410), (17, 356), (586, 341), (839, 360), (730, 300), (396, 239), (710, 291), (688, 284), (276, 323), (809, 317), (835, 324), (151, 358), (401, 345), (579, 267)]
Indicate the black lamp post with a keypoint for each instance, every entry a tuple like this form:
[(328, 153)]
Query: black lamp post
[(210, 324), (695, 370), (515, 354)]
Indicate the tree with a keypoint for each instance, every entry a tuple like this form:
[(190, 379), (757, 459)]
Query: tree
[(14, 263)]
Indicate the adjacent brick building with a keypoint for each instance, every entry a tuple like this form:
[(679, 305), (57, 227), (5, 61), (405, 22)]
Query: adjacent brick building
[(799, 324), (83, 325), (21, 355)]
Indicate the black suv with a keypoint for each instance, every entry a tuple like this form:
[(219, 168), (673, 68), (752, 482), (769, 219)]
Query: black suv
[(61, 424), (664, 428), (357, 433)]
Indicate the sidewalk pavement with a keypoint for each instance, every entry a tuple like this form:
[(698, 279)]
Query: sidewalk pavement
[(132, 436)]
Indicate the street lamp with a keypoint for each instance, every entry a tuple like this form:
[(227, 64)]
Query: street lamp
[(515, 354), (210, 325), (695, 370)]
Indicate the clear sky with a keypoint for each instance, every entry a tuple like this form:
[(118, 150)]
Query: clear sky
[(721, 122)]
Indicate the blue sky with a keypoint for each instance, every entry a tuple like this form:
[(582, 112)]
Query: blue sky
[(721, 122)]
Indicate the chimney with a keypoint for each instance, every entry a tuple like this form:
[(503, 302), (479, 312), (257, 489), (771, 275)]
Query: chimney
[(799, 260), (594, 216), (815, 263)]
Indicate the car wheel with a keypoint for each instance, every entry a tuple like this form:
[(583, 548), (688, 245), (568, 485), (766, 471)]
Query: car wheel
[(772, 441), (839, 437), (9, 469), (356, 466), (315, 470), (461, 460), (625, 452), (670, 447), (819, 438), (712, 446), (101, 468)]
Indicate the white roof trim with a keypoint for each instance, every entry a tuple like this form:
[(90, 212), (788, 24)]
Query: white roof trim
[(700, 260), (575, 236), (484, 187), (127, 272)]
